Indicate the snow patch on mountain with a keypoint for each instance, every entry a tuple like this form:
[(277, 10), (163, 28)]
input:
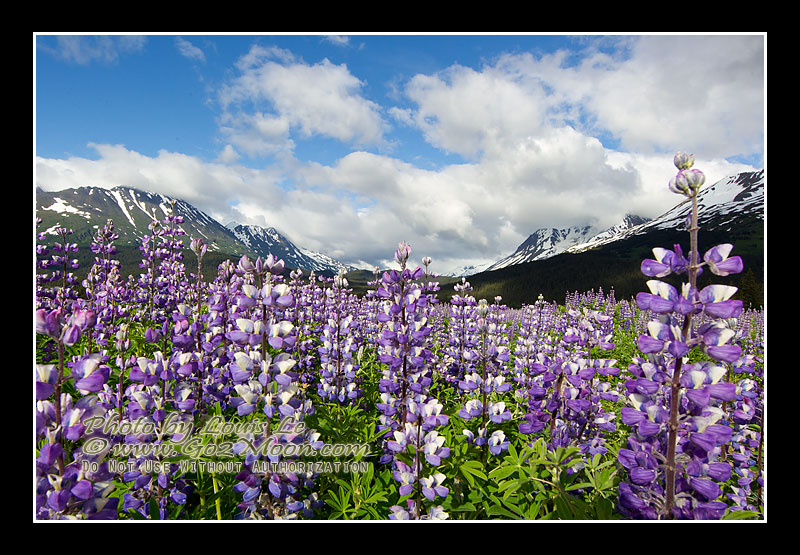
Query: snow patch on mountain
[(61, 206)]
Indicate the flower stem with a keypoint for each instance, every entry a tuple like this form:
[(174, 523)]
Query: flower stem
[(59, 433), (675, 385)]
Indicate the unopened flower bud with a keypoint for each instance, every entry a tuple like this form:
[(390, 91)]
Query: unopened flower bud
[(695, 178), (403, 253), (679, 184), (340, 282), (683, 161), (198, 247)]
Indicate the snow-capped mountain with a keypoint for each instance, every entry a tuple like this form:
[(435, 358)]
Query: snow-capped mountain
[(548, 242), (722, 205), (469, 270), (84, 209), (269, 240)]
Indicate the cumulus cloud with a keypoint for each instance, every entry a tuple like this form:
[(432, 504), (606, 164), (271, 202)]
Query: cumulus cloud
[(228, 155), (276, 92), (359, 208), (470, 113), (704, 94)]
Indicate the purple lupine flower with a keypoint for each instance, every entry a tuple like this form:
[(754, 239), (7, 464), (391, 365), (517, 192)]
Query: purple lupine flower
[(248, 397), (403, 438), (472, 409), (498, 413), (406, 477), (433, 448), (432, 486), (198, 247), (402, 254), (497, 442), (720, 263), (46, 376), (715, 337)]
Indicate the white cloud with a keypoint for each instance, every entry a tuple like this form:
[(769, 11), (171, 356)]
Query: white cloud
[(653, 172), (360, 208), (470, 113), (212, 187), (703, 94), (257, 134), (228, 155), (322, 99), (188, 50), (338, 40)]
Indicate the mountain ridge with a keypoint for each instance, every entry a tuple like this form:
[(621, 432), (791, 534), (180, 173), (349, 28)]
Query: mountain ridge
[(83, 209), (721, 205), (548, 242)]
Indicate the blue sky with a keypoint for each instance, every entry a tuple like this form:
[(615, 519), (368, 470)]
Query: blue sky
[(462, 145)]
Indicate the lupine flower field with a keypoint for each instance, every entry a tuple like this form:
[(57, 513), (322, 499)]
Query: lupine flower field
[(273, 394)]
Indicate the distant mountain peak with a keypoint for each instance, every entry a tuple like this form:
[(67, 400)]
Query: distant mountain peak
[(84, 209), (268, 240), (548, 242), (721, 205)]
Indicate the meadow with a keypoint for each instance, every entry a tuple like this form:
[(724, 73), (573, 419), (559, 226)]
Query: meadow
[(270, 394)]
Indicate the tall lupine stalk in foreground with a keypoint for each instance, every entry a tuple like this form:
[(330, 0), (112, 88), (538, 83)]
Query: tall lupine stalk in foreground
[(675, 477)]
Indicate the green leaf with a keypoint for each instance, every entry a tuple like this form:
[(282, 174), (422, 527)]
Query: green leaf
[(741, 515), (502, 472), (214, 496), (175, 512), (495, 510), (510, 487), (136, 515), (334, 502), (466, 507), (533, 511), (582, 485), (471, 469), (511, 506), (564, 509), (603, 508)]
